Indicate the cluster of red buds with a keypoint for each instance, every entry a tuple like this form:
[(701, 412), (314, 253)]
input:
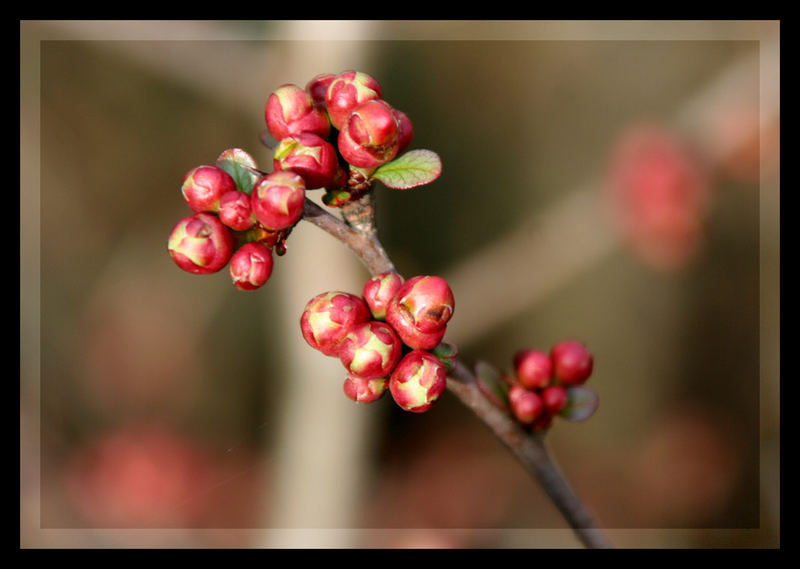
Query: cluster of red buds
[(390, 337), (240, 218), (335, 134), (339, 135), (545, 385)]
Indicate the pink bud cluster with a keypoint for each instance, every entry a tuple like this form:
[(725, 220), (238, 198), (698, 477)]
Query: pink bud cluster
[(237, 223), (403, 353), (331, 134), (539, 387), (334, 131)]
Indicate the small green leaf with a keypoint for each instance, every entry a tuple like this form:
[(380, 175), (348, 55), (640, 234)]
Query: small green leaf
[(447, 354), (412, 169), (239, 164), (491, 383), (581, 404)]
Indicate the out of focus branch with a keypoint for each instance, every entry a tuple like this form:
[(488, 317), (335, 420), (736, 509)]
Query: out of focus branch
[(574, 234)]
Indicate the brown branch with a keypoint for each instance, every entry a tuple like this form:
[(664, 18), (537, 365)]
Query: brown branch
[(358, 232), (364, 244), (531, 451)]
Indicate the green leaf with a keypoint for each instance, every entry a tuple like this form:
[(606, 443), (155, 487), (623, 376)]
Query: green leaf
[(239, 164), (490, 382), (412, 169), (581, 404)]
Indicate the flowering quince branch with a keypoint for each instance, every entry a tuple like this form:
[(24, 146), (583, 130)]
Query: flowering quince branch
[(338, 135), (528, 447)]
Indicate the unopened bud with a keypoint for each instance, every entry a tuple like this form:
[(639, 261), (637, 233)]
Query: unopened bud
[(418, 381), (328, 318), (525, 404), (200, 244), (572, 362), (236, 211), (370, 136), (251, 266), (403, 324), (370, 350), (318, 87), (379, 291), (291, 110), (310, 156), (425, 301), (203, 187), (346, 91), (534, 368), (278, 199)]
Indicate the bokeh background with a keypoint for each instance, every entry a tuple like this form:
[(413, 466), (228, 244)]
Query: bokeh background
[(614, 182)]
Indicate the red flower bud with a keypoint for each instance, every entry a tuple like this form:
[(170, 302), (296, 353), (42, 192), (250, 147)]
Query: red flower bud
[(534, 368), (418, 381), (200, 244), (410, 336), (328, 318), (406, 132), (572, 362), (251, 266), (278, 199), (347, 91), (525, 404), (318, 87), (236, 211), (554, 398), (425, 301), (363, 390), (370, 350), (370, 136), (203, 187), (379, 290), (660, 195), (310, 156), (291, 110)]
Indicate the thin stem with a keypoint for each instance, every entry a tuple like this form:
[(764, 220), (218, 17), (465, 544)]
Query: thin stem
[(364, 244), (531, 451), (358, 232)]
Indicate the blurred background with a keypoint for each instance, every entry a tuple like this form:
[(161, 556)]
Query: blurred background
[(617, 183)]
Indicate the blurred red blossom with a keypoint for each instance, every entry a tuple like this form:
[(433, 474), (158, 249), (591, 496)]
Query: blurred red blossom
[(659, 194), (140, 476)]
